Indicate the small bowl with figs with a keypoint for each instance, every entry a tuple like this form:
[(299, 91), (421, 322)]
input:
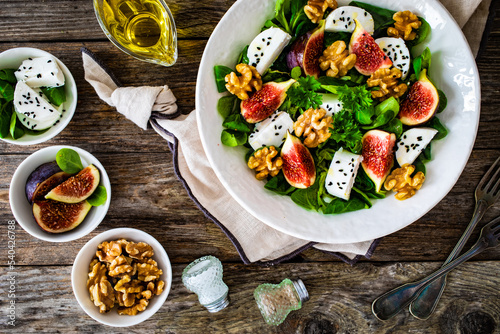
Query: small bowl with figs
[(60, 193)]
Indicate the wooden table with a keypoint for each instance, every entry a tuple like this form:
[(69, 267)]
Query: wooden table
[(148, 196)]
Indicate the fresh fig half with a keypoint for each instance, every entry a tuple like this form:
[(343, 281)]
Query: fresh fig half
[(298, 163), (306, 50), (49, 184), (369, 56), (59, 217), (378, 155), (39, 175), (265, 101), (421, 103), (77, 188)]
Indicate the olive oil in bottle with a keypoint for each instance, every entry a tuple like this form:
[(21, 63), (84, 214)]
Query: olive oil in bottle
[(144, 29)]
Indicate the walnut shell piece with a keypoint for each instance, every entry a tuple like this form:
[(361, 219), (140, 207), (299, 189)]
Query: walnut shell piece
[(265, 161), (315, 9), (403, 27), (336, 60), (400, 181), (314, 125), (241, 85), (387, 80)]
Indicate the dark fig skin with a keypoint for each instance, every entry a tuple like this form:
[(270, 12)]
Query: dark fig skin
[(306, 50), (49, 184), (40, 174)]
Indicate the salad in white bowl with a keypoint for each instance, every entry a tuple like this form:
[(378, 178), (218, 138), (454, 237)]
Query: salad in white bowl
[(452, 70), (325, 89)]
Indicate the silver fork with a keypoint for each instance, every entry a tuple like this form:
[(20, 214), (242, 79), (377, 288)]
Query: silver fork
[(389, 304), (487, 193)]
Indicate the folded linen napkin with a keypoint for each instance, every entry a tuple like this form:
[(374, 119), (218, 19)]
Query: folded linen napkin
[(254, 240)]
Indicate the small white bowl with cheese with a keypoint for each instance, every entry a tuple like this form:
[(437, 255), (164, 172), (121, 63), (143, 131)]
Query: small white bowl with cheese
[(33, 73)]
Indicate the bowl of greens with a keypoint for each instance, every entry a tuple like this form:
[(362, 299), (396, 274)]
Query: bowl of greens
[(372, 130), (38, 96)]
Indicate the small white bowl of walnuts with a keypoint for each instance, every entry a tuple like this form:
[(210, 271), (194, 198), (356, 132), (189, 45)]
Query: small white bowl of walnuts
[(121, 277)]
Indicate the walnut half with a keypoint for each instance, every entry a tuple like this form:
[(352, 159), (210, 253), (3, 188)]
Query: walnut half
[(265, 162), (241, 85), (401, 182), (314, 125), (403, 27), (336, 60), (315, 9), (387, 80)]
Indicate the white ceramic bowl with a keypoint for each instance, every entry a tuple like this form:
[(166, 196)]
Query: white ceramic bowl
[(79, 275), (22, 209), (453, 70), (12, 59)]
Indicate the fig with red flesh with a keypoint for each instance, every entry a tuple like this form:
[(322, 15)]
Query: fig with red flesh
[(58, 217), (298, 163), (265, 101), (369, 56), (378, 155), (39, 175), (77, 188), (421, 103), (306, 50), (49, 184)]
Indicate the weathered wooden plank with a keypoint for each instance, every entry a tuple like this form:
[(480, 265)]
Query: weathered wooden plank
[(147, 195), (340, 301), (70, 20)]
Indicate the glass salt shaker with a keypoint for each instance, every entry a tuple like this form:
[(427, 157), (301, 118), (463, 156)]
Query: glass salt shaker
[(204, 277), (275, 301)]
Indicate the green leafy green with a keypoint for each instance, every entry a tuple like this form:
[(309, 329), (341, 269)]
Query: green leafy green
[(7, 74), (422, 62), (276, 76), (341, 206), (422, 33), (394, 126), (296, 72), (6, 91), (16, 129), (243, 57), (69, 160), (307, 198), (226, 105), (303, 93), (281, 11), (279, 185), (384, 112), (56, 95), (220, 72), (435, 123), (233, 138), (382, 17), (236, 122), (346, 131), (5, 115), (443, 101), (98, 197), (332, 37), (359, 101)]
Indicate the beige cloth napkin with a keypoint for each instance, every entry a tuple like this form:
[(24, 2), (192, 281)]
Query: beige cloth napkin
[(254, 240)]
